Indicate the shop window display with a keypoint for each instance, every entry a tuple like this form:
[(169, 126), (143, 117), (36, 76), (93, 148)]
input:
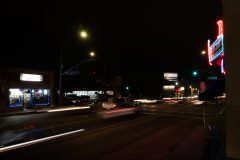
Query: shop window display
[(15, 97), (40, 96)]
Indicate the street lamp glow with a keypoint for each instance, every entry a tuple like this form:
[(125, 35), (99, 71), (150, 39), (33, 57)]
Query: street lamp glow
[(92, 54), (176, 83), (83, 34), (203, 52)]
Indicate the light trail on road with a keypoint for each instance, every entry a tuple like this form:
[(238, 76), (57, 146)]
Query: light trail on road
[(20, 145)]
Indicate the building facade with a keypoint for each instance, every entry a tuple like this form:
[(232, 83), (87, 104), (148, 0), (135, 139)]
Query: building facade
[(24, 88)]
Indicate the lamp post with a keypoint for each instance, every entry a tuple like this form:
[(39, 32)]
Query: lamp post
[(83, 35)]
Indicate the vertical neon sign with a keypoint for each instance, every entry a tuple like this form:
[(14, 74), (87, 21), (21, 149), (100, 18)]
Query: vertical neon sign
[(209, 53), (216, 49), (220, 28), (222, 67)]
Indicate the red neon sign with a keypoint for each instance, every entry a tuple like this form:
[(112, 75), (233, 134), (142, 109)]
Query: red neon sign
[(216, 49), (220, 28)]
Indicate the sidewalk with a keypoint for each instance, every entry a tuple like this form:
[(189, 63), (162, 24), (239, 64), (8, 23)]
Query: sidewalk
[(44, 110), (220, 130), (25, 111)]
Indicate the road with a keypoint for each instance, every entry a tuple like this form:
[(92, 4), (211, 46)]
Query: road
[(131, 136)]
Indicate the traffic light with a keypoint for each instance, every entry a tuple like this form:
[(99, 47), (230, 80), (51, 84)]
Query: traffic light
[(195, 73)]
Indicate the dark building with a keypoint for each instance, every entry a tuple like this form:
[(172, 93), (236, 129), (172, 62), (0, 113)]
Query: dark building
[(25, 88)]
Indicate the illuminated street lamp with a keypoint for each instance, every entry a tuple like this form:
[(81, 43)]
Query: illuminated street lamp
[(203, 52), (92, 54), (83, 35)]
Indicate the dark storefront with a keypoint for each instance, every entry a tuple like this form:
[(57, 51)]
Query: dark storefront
[(23, 88)]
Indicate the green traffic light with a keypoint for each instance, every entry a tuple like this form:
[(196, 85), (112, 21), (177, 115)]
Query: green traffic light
[(195, 73)]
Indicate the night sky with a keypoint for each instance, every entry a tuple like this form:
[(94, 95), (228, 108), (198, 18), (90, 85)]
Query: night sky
[(138, 40)]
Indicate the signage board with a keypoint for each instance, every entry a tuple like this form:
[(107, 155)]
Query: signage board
[(31, 77), (170, 76), (217, 48)]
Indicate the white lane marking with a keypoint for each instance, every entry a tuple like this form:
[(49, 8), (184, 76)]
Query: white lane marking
[(24, 144)]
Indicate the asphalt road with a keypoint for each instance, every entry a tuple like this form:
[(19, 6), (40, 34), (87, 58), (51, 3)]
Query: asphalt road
[(102, 138)]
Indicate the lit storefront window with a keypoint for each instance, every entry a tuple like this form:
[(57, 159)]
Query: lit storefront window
[(15, 97), (28, 97), (40, 97), (91, 94)]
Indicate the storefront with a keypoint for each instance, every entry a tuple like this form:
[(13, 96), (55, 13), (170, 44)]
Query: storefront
[(22, 88)]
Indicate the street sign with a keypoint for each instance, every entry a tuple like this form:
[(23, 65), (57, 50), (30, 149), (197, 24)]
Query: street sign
[(212, 78), (72, 73)]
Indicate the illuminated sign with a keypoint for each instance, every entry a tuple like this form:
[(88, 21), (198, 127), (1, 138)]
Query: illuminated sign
[(170, 76), (31, 77), (220, 28), (222, 67), (170, 87), (217, 48), (212, 78)]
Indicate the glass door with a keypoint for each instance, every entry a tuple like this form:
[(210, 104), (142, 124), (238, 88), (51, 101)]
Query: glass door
[(27, 98)]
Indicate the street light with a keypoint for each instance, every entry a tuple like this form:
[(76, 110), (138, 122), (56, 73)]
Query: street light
[(83, 35), (92, 54), (203, 52)]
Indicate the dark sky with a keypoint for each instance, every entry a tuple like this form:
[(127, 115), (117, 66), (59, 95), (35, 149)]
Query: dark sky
[(138, 40)]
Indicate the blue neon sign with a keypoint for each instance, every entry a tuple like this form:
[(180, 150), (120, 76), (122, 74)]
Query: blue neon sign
[(217, 48)]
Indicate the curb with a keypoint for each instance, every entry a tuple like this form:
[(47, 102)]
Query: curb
[(34, 111), (21, 113)]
